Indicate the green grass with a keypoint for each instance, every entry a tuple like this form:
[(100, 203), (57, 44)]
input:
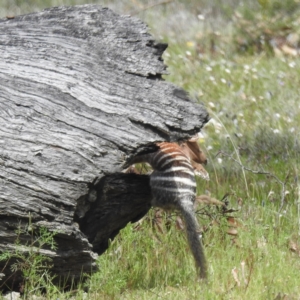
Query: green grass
[(254, 103), (147, 264)]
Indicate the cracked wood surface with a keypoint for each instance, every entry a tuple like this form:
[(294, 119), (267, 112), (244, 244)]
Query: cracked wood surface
[(80, 89)]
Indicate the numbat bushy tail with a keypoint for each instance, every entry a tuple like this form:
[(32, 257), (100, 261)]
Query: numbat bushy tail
[(173, 186)]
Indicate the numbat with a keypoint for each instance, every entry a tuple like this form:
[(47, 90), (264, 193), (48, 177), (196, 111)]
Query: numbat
[(173, 186)]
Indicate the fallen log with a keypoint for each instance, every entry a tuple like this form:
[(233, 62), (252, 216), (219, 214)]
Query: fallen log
[(81, 89)]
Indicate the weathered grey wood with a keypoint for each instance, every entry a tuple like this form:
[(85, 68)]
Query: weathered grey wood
[(80, 89)]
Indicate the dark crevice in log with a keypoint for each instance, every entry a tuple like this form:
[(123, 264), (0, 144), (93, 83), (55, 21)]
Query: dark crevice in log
[(149, 76), (144, 149), (160, 48), (104, 205), (163, 134)]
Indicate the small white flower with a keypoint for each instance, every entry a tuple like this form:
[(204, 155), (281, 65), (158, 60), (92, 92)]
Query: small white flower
[(211, 104), (277, 116), (201, 17), (223, 80), (212, 78), (208, 69), (215, 123), (292, 129), (227, 71), (201, 135), (219, 159), (188, 53), (292, 64), (269, 95), (276, 131)]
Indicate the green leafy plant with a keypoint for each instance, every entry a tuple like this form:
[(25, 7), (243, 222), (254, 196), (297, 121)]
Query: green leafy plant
[(30, 260)]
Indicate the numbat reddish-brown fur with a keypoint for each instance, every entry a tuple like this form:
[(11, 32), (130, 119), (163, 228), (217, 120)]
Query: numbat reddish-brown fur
[(197, 158), (173, 186)]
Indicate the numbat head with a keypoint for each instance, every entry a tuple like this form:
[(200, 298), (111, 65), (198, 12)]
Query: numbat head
[(192, 150), (173, 186)]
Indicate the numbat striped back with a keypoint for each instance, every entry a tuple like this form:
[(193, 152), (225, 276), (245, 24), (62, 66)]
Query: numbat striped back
[(173, 186), (173, 178)]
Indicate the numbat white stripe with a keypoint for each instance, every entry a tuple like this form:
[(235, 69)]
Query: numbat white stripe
[(182, 180), (175, 190), (181, 169), (171, 159)]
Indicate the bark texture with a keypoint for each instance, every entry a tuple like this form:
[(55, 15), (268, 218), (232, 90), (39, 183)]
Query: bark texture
[(80, 90)]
